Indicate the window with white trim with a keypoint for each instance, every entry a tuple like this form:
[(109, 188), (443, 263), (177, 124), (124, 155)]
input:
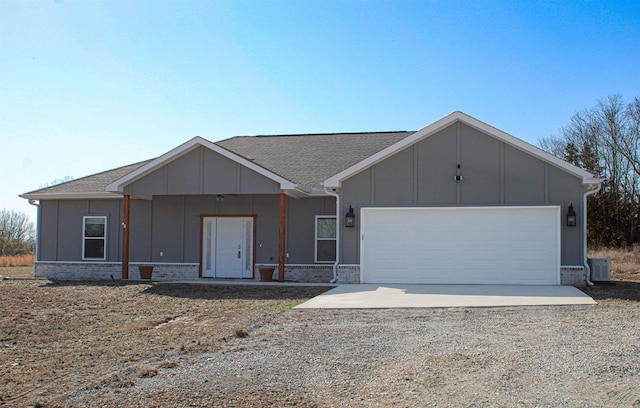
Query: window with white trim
[(325, 250), (94, 240)]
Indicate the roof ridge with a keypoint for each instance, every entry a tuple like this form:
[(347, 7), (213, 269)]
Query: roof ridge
[(323, 134)]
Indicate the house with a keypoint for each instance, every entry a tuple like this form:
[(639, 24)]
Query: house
[(455, 202)]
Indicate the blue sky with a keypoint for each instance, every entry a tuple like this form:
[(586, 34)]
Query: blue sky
[(86, 86)]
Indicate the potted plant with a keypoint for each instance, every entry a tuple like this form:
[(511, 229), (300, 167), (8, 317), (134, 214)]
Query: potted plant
[(266, 273), (145, 271)]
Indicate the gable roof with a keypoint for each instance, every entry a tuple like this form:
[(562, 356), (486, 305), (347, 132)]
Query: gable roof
[(336, 180), (299, 162)]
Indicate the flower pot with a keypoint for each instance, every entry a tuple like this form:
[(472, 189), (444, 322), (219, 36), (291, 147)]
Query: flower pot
[(145, 271), (266, 274)]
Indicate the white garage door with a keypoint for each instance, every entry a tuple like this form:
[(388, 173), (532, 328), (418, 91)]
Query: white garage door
[(456, 245)]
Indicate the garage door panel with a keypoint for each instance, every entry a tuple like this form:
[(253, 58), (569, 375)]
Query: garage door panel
[(510, 245)]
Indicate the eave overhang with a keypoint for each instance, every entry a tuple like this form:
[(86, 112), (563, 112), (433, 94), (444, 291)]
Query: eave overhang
[(71, 196)]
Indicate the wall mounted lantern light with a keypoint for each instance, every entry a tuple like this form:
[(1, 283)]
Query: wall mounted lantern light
[(458, 177), (350, 218), (571, 216)]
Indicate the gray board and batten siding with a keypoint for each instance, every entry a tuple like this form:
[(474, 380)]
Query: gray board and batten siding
[(493, 173), (202, 171), (60, 228), (171, 225), (168, 201)]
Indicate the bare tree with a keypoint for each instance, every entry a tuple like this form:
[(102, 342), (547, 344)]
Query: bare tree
[(604, 140), (17, 233), (15, 225), (55, 182)]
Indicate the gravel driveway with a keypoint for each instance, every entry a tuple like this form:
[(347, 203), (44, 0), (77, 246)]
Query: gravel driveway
[(566, 356)]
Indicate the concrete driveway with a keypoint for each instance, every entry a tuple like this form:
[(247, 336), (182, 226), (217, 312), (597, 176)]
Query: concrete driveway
[(382, 296)]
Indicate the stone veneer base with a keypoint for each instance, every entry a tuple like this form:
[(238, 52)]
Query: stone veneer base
[(113, 270), (313, 273), (573, 276)]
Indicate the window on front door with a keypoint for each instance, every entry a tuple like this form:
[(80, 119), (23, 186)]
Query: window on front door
[(325, 250)]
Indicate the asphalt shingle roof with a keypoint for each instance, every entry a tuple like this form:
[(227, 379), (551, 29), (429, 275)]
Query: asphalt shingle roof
[(94, 183), (306, 160)]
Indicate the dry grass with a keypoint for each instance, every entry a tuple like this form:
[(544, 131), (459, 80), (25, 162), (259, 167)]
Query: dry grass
[(625, 263), (19, 272), (20, 260)]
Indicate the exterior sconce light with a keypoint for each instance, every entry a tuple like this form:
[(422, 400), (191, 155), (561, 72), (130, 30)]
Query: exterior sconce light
[(571, 216), (350, 218)]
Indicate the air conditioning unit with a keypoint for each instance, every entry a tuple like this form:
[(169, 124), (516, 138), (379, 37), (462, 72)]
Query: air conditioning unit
[(600, 269)]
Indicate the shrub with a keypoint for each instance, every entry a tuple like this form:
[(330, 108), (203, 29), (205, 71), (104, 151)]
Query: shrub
[(12, 247)]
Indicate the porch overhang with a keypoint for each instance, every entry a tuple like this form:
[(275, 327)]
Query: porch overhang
[(286, 186)]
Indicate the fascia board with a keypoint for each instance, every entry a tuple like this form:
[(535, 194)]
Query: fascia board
[(118, 185), (335, 181), (71, 196), (297, 192)]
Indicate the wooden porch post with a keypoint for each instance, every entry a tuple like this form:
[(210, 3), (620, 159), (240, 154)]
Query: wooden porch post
[(125, 237), (281, 230)]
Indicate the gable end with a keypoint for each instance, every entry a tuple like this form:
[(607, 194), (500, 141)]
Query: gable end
[(430, 130)]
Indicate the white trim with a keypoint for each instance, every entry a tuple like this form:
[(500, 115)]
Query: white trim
[(71, 196), (316, 239), (336, 181), (591, 190), (104, 238), (83, 196), (336, 193), (118, 185)]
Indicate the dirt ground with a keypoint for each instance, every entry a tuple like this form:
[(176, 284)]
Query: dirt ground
[(18, 272), (61, 336), (76, 344), (89, 343)]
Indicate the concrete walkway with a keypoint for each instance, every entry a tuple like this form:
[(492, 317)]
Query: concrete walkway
[(382, 296)]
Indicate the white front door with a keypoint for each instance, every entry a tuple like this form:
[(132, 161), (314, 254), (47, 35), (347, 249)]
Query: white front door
[(227, 247)]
